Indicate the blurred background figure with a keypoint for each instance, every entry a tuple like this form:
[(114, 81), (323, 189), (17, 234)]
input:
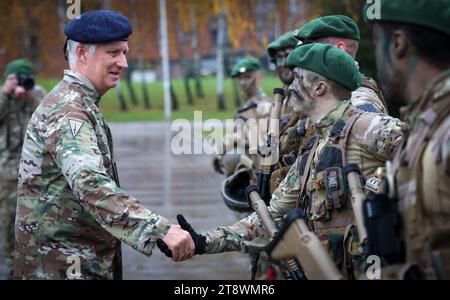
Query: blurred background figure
[(18, 99)]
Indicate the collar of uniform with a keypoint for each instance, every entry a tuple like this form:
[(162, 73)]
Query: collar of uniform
[(86, 85), (436, 89), (332, 116)]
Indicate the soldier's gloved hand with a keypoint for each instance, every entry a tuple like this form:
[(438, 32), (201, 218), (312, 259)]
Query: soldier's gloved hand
[(217, 164), (178, 242), (199, 240)]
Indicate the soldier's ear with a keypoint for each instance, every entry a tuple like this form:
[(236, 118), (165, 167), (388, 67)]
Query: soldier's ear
[(400, 44), (321, 88), (81, 52)]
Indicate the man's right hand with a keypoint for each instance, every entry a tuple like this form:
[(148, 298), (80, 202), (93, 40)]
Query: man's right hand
[(198, 240), (179, 243)]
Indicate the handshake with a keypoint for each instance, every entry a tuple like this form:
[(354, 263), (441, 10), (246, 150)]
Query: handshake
[(182, 242)]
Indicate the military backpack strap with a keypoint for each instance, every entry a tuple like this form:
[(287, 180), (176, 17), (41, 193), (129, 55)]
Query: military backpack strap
[(357, 113), (246, 108), (342, 132), (307, 170)]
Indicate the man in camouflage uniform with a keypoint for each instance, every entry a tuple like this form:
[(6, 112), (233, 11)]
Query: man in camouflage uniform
[(71, 214), (324, 78), (251, 119), (278, 52), (412, 39), (256, 108), (17, 103), (290, 126), (343, 32)]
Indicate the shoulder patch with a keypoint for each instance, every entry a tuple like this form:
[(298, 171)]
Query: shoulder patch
[(75, 126)]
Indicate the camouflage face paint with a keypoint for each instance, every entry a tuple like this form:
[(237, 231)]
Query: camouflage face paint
[(304, 101)]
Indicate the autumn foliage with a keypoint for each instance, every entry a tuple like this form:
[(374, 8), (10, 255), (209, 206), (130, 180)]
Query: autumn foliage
[(33, 29)]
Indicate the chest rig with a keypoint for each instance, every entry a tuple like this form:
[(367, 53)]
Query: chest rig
[(324, 185)]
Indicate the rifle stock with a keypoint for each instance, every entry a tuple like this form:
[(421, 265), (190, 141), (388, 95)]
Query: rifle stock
[(269, 224), (295, 240)]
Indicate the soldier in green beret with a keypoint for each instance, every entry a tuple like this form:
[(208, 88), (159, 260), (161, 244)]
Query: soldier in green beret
[(19, 97), (342, 32), (324, 80), (292, 124), (256, 107), (278, 52), (412, 45)]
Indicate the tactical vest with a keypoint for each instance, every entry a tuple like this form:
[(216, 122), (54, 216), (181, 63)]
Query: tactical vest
[(325, 197), (326, 184), (426, 230)]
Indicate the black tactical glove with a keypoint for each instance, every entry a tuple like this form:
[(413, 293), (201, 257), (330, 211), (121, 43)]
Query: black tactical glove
[(199, 240)]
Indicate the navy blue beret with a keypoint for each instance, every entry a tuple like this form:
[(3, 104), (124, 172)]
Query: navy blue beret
[(99, 26)]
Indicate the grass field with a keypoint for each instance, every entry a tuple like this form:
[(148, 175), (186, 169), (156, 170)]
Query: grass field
[(208, 105)]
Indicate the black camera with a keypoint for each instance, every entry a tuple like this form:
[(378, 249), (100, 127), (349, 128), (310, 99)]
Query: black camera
[(25, 81)]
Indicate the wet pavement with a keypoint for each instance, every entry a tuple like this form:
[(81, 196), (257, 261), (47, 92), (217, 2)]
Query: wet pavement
[(170, 184)]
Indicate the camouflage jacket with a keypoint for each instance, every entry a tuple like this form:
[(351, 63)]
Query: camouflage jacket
[(422, 172), (371, 142), (70, 208), (15, 112), (368, 97)]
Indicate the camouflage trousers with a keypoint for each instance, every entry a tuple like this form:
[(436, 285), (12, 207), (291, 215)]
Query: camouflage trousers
[(8, 201)]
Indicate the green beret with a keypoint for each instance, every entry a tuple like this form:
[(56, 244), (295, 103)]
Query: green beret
[(285, 41), (246, 65), (433, 14), (329, 26), (328, 61), (19, 66)]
